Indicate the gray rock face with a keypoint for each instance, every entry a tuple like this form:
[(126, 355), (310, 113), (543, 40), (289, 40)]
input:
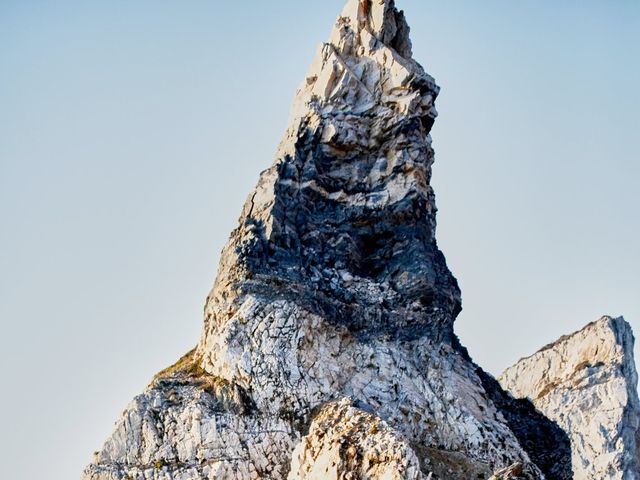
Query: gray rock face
[(328, 348), (587, 382)]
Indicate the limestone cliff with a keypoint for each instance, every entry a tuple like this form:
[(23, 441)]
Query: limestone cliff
[(328, 348), (587, 382)]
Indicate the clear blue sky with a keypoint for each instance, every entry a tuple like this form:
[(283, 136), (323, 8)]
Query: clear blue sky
[(131, 132)]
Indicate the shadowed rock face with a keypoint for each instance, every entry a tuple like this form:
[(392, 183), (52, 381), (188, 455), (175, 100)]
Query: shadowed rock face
[(328, 348), (543, 440)]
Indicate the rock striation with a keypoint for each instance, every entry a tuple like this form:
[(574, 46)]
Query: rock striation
[(587, 383), (328, 348)]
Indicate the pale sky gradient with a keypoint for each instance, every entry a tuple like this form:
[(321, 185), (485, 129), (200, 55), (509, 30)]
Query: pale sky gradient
[(131, 133)]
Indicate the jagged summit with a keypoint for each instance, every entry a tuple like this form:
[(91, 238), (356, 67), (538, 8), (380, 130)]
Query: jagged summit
[(344, 220), (328, 348), (382, 20)]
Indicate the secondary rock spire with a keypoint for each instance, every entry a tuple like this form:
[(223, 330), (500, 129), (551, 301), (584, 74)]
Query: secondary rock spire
[(587, 382)]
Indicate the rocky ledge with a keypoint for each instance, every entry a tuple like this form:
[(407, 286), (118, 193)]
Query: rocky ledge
[(328, 348)]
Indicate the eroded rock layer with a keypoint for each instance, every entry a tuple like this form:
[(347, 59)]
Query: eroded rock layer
[(587, 383)]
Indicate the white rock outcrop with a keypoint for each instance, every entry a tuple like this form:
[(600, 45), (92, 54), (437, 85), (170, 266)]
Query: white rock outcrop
[(346, 442), (587, 383)]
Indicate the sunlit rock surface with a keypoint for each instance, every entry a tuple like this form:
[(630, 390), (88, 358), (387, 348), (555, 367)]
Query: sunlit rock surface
[(587, 383), (346, 442), (328, 348)]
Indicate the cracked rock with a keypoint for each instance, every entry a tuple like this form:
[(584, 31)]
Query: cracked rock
[(328, 348)]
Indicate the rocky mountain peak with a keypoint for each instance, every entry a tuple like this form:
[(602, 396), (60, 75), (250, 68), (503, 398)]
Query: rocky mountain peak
[(344, 220), (328, 348)]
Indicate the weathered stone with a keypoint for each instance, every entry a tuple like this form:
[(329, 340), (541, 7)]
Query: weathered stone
[(345, 442), (348, 196), (514, 472), (328, 348), (587, 382)]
